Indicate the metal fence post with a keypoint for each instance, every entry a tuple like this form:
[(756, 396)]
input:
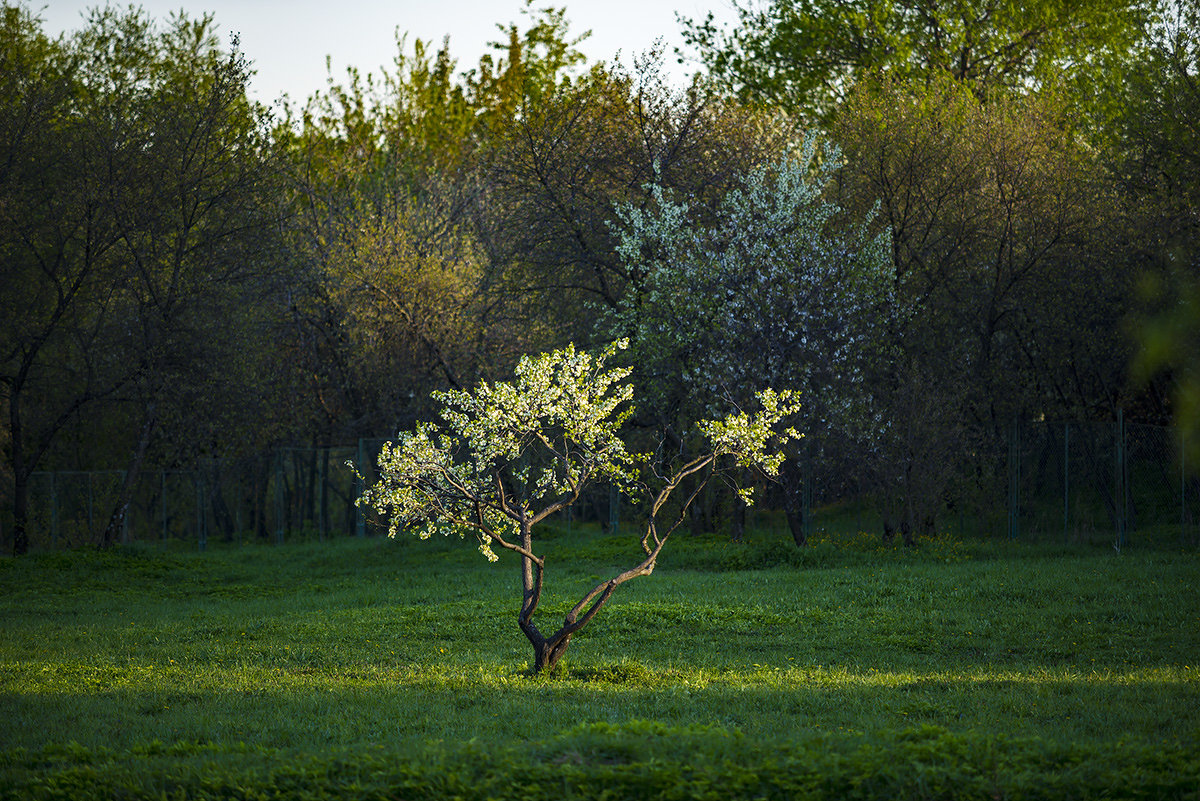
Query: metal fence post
[(1119, 500), (1066, 481), (1014, 480), (614, 516), (360, 521)]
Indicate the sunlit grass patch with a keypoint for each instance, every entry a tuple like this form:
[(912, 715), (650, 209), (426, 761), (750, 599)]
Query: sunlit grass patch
[(365, 647)]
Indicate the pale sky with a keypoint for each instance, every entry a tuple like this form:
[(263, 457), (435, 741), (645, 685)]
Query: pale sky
[(288, 41)]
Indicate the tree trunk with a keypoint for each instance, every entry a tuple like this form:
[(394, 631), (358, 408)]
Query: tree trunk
[(909, 519), (20, 511), (20, 474), (906, 531), (737, 519), (261, 466), (793, 500), (310, 486), (701, 514), (546, 651), (116, 521), (220, 509), (546, 656)]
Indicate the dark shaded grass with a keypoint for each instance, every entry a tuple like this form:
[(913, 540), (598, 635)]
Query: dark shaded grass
[(247, 671)]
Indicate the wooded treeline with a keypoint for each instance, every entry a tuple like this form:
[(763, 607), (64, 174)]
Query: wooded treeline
[(930, 218)]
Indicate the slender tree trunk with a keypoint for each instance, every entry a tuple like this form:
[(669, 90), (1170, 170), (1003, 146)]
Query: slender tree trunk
[(20, 476), (310, 489), (737, 519), (701, 514), (793, 500), (116, 521), (908, 521), (20, 510), (220, 509), (262, 480), (323, 512)]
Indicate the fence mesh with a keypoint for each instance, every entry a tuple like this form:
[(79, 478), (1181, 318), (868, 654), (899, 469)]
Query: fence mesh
[(1073, 482), (1101, 482), (292, 493)]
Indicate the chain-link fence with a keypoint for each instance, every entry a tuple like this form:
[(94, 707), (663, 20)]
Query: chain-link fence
[(1101, 482), (291, 493), (1112, 483), (1070, 482)]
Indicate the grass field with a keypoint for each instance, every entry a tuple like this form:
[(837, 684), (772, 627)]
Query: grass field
[(371, 668)]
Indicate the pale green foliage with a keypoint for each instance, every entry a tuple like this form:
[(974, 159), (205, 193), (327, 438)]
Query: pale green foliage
[(477, 471), (748, 436), (511, 453)]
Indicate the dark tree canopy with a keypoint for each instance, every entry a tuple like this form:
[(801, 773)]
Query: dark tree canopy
[(185, 276)]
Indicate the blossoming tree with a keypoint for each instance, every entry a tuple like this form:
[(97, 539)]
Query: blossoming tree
[(771, 285), (509, 455)]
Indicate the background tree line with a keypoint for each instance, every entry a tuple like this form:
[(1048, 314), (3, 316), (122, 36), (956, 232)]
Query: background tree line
[(930, 218)]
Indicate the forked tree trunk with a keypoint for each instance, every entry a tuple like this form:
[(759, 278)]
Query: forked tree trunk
[(546, 656), (548, 651)]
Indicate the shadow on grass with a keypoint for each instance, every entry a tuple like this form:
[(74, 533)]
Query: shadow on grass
[(316, 709)]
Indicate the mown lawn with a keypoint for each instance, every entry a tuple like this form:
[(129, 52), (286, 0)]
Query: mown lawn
[(367, 668)]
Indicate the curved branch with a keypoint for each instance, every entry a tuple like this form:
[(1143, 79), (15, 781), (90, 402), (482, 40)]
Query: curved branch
[(563, 502), (533, 597), (691, 468), (537, 560), (497, 539), (600, 594)]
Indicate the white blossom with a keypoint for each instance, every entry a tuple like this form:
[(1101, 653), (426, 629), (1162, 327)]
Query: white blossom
[(508, 453)]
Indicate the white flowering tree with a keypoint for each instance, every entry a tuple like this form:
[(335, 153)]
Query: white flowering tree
[(768, 287), (509, 455)]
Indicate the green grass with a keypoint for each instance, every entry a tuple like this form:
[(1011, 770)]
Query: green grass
[(373, 668)]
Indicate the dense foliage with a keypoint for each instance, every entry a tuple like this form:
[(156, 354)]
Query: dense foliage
[(762, 287), (186, 276)]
